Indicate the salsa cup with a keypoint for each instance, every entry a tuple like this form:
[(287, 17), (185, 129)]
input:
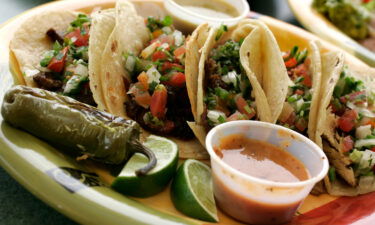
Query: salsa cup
[(259, 201)]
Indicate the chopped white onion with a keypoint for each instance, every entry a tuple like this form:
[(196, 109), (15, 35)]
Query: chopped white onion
[(149, 50), (367, 160), (178, 38), (231, 77), (130, 63), (81, 70), (363, 131), (166, 30), (214, 115), (362, 110), (31, 72), (299, 104), (153, 75), (364, 142)]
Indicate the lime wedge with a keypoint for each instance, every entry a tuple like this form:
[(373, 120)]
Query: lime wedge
[(128, 183), (192, 193)]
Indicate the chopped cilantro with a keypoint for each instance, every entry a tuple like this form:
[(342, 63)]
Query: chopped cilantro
[(81, 19), (332, 174), (167, 21), (227, 57), (223, 28), (152, 86), (221, 119), (155, 24), (221, 93)]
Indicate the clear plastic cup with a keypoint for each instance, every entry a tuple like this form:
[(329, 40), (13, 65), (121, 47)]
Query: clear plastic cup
[(259, 201), (187, 20)]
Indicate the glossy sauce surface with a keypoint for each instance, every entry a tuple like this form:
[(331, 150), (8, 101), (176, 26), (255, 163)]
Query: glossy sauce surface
[(260, 159), (218, 9)]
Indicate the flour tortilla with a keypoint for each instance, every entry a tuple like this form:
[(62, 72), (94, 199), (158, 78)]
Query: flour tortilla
[(194, 44), (316, 72), (346, 184), (315, 69), (129, 36), (258, 51), (102, 25), (30, 41)]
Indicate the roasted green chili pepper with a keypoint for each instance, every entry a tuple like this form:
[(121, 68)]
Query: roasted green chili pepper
[(69, 124)]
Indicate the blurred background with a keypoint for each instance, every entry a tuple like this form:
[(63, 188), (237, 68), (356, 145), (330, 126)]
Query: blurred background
[(18, 206)]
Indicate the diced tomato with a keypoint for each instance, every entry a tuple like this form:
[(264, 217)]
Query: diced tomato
[(143, 79), (236, 116), (141, 95), (301, 124), (159, 101), (366, 1), (373, 149), (179, 51), (159, 55), (286, 55), (168, 65), (371, 122), (337, 108), (347, 144), (343, 99), (79, 38), (143, 99), (177, 80), (243, 107), (291, 63), (291, 119), (58, 62), (307, 80), (358, 97), (302, 71), (168, 126), (347, 121), (288, 109), (163, 38), (157, 33), (166, 39), (299, 92)]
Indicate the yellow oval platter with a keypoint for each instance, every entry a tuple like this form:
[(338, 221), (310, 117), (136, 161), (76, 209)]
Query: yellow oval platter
[(51, 175)]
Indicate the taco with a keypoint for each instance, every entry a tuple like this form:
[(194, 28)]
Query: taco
[(233, 67), (345, 126), (301, 103), (61, 51), (149, 85)]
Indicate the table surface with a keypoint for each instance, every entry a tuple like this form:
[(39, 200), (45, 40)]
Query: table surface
[(18, 206)]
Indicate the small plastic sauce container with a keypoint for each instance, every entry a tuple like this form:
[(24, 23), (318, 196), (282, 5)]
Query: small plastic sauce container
[(259, 201), (188, 14)]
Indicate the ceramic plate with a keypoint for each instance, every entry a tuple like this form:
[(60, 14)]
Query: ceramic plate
[(81, 192), (320, 26)]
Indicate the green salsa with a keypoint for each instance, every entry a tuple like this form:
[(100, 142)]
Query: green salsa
[(350, 17)]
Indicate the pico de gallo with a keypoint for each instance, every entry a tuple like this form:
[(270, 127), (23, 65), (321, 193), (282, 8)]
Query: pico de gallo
[(354, 109), (157, 93), (296, 108), (64, 69), (228, 91)]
